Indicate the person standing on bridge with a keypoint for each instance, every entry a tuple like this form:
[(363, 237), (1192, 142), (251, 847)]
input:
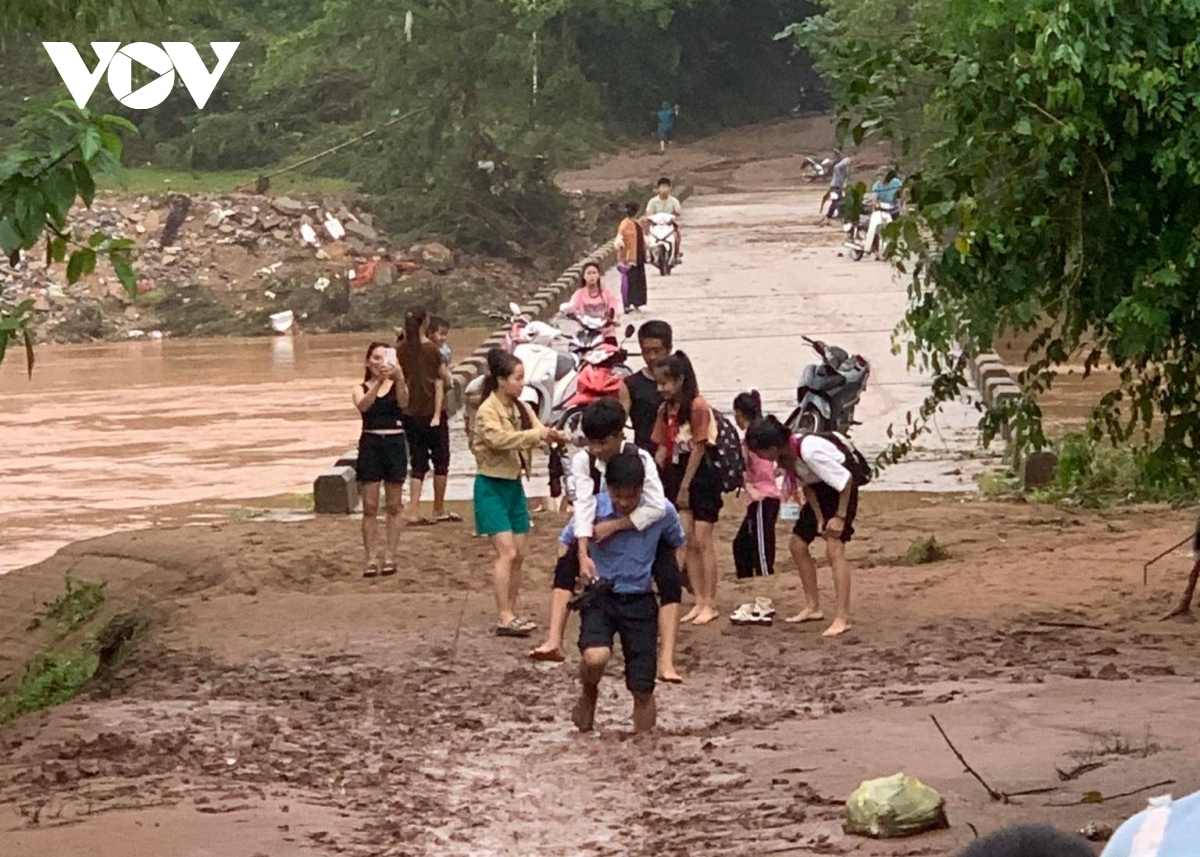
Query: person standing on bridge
[(819, 469), (504, 432), (631, 259), (684, 431), (382, 453)]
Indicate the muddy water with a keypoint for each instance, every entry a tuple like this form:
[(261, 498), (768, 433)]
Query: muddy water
[(115, 436)]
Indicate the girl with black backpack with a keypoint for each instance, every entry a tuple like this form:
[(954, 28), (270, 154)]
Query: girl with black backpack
[(824, 471)]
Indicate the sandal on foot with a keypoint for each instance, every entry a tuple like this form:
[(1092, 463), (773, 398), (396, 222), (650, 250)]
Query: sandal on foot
[(513, 629), (447, 517), (372, 570), (387, 569), (421, 522)]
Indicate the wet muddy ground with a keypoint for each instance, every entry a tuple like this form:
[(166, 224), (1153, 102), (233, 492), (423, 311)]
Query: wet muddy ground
[(282, 705)]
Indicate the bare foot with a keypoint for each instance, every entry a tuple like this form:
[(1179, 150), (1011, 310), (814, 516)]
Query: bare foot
[(705, 616), (549, 653), (808, 614), (690, 615), (669, 675), (584, 714), (839, 626)]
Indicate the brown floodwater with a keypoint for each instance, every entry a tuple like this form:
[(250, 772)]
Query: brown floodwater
[(124, 435), (1068, 404)]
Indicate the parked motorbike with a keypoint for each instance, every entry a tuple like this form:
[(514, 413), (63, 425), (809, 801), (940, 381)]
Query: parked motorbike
[(866, 234), (662, 240), (816, 170), (602, 372), (828, 392)]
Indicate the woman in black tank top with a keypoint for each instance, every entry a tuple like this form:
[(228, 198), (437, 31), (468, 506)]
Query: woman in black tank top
[(382, 452)]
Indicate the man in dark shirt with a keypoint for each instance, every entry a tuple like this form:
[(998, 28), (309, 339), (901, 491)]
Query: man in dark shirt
[(639, 393)]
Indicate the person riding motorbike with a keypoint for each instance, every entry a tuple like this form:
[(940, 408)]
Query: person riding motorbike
[(665, 203)]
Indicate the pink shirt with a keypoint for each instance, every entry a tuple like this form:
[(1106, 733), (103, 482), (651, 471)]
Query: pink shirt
[(760, 475), (584, 304)]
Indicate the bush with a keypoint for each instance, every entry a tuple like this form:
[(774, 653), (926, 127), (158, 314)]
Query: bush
[(230, 141)]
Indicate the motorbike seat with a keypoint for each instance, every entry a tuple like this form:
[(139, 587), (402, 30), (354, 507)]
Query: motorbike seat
[(563, 366)]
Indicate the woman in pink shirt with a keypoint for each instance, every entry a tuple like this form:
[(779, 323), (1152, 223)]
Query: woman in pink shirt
[(754, 544), (591, 298)]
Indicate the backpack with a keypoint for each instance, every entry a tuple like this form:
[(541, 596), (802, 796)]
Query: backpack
[(726, 454), (594, 471), (856, 462)]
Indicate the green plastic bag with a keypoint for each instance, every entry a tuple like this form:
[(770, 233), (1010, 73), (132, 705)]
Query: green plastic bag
[(894, 806)]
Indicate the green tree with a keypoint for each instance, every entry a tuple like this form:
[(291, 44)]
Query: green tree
[(1055, 154), (54, 163)]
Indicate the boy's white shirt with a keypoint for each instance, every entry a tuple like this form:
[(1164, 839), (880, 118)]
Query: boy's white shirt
[(654, 500)]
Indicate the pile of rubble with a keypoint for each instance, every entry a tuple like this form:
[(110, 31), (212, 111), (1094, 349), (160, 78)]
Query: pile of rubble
[(235, 244)]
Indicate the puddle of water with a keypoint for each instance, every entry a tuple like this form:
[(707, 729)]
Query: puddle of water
[(102, 433)]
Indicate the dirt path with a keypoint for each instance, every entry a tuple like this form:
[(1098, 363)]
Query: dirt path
[(283, 706)]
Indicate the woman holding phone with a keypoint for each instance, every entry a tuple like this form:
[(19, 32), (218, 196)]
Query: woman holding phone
[(382, 452)]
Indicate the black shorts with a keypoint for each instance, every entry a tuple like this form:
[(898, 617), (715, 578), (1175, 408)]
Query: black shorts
[(665, 572), (381, 458), (428, 443), (704, 495), (633, 618), (806, 525)]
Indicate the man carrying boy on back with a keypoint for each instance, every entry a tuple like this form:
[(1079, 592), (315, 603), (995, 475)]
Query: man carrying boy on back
[(603, 424), (622, 603)]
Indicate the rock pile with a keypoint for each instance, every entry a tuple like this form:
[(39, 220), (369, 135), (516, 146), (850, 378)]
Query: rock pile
[(224, 243)]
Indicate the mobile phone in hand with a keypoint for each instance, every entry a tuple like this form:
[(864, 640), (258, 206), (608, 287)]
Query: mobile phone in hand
[(390, 358)]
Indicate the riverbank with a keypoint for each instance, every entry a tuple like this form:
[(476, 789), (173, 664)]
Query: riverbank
[(390, 720)]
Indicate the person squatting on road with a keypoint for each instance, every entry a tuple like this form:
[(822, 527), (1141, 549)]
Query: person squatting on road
[(684, 431), (425, 415), (622, 603), (603, 424), (815, 467), (504, 432), (382, 453)]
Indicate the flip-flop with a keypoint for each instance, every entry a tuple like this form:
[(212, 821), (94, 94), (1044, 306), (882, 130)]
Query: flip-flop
[(372, 570), (448, 517), (387, 569), (513, 629), (421, 522)]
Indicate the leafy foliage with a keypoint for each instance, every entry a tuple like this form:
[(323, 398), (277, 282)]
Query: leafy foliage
[(49, 679), (75, 607), (1053, 152), (62, 150)]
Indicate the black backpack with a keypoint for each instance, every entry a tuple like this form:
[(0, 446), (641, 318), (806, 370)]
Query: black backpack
[(726, 454), (595, 471), (856, 462)]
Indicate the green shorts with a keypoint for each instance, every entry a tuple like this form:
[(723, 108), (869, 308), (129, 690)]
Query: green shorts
[(500, 506)]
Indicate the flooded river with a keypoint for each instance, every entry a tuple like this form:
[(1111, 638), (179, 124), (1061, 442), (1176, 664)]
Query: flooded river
[(115, 436)]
